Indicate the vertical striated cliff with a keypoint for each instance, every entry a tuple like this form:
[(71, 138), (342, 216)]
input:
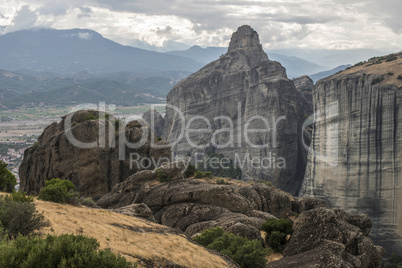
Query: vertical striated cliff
[(359, 125), (242, 88)]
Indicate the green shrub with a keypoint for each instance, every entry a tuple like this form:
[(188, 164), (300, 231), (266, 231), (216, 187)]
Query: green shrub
[(281, 225), (394, 261), (89, 202), (390, 58), (220, 166), (243, 251), (19, 218), (208, 174), (390, 73), (58, 251), (220, 181), (199, 174), (158, 138), (21, 197), (89, 116), (377, 80), (399, 77), (58, 191), (7, 179), (162, 176), (277, 241), (190, 171)]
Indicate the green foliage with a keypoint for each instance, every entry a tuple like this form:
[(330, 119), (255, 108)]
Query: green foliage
[(377, 80), (35, 145), (281, 225), (399, 77), (89, 202), (394, 261), (57, 251), (199, 174), (208, 174), (390, 73), (158, 138), (162, 176), (89, 116), (220, 166), (243, 251), (277, 231), (7, 179), (390, 58), (21, 197), (190, 171), (19, 218), (73, 124), (221, 181), (268, 183), (58, 191), (277, 241)]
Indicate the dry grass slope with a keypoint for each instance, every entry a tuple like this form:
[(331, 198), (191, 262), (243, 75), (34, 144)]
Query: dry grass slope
[(379, 67), (133, 238)]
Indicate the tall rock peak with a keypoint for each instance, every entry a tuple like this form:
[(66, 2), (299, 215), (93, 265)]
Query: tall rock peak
[(244, 38)]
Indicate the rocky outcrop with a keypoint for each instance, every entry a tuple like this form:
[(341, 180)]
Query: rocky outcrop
[(355, 161), (155, 120), (324, 237), (242, 88), (136, 210), (94, 170), (193, 205), (305, 85)]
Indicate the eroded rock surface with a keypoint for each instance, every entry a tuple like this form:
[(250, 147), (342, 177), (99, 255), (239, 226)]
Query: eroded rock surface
[(94, 171), (323, 237), (240, 85), (359, 138)]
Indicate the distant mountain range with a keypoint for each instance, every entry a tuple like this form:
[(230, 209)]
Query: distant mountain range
[(78, 50), (62, 67), (321, 75)]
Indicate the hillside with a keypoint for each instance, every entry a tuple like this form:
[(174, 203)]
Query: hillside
[(136, 239), (78, 50), (18, 88)]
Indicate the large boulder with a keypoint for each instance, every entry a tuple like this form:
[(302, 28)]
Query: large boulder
[(93, 170), (323, 237)]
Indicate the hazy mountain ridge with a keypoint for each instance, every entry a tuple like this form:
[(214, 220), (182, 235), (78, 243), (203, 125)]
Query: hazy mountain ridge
[(77, 50)]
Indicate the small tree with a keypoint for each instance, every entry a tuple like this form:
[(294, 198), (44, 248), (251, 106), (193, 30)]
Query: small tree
[(20, 218), (58, 191), (7, 179)]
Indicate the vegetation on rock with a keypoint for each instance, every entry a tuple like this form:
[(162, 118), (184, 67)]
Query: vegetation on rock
[(247, 253), (277, 232)]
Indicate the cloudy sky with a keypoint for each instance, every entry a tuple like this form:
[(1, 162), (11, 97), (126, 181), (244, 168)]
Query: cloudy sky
[(328, 24)]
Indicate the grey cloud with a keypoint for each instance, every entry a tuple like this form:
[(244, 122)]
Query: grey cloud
[(23, 19)]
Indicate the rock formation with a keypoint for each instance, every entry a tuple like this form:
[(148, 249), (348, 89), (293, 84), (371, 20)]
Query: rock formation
[(193, 205), (330, 238), (155, 120), (241, 88), (321, 236), (305, 85), (357, 164), (95, 170)]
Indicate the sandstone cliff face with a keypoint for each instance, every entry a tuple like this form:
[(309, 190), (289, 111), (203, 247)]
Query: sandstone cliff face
[(242, 84), (94, 171), (363, 135)]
